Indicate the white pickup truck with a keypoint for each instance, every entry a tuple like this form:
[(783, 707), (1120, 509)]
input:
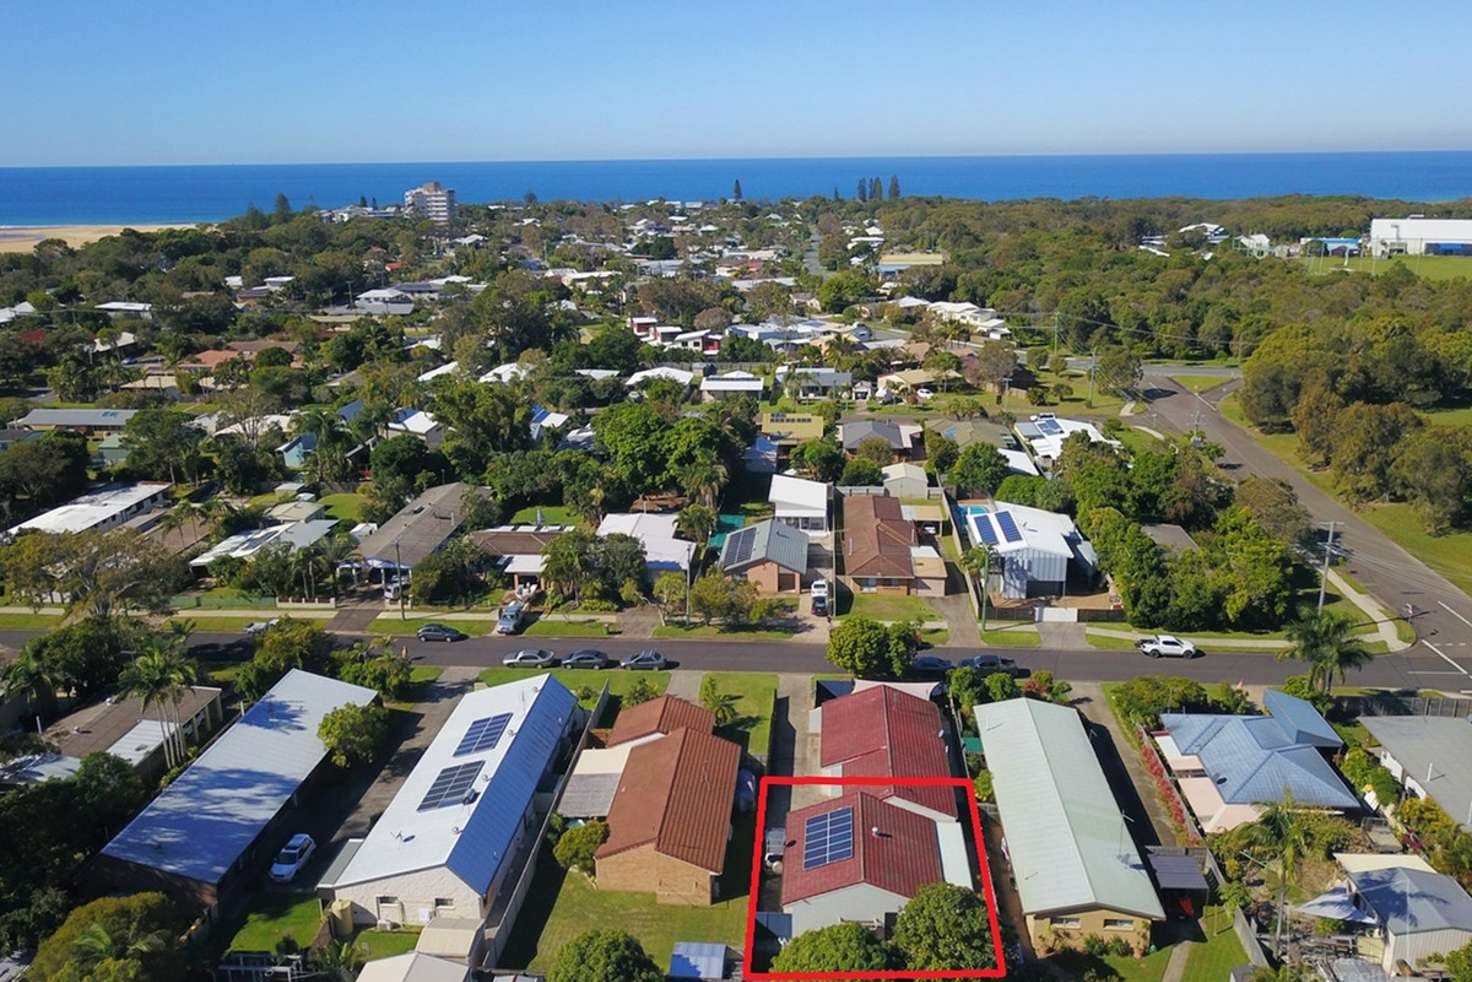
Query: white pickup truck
[(1167, 646)]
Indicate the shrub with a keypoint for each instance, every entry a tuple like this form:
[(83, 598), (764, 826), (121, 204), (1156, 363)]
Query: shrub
[(577, 847)]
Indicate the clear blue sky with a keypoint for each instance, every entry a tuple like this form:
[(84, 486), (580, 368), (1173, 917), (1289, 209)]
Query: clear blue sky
[(266, 81)]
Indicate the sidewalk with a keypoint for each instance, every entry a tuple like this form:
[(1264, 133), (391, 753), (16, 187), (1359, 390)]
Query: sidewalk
[(1384, 621)]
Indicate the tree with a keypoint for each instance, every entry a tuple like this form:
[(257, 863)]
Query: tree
[(160, 676), (1282, 832), (894, 187), (163, 443), (353, 734), (1327, 644), (819, 460), (1001, 686), (869, 649), (1434, 471), (140, 928), (282, 211), (877, 449), (724, 598), (83, 658), (1364, 445), (861, 472), (47, 470), (843, 289), (101, 572), (1459, 964), (604, 955), (862, 193), (1119, 369), (696, 522), (722, 704), (640, 692), (736, 190), (979, 469), (876, 190), (944, 927), (635, 439), (703, 478), (941, 451), (839, 948), (577, 848), (286, 645)]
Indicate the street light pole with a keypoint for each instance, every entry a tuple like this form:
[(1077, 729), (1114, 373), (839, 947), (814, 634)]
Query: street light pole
[(1324, 576)]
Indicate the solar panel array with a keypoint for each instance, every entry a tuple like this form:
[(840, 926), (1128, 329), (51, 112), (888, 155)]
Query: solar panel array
[(1008, 526), (984, 527), (828, 838), (450, 785), (483, 734), (1050, 427), (739, 546)]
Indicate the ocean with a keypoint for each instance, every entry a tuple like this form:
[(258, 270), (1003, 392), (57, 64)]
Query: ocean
[(112, 195)]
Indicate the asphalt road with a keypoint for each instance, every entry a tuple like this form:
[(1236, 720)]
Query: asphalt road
[(1443, 613), (1168, 370), (1417, 667)]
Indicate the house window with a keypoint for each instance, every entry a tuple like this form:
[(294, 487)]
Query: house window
[(1067, 922), (866, 584), (1118, 924), (444, 902), (387, 901)]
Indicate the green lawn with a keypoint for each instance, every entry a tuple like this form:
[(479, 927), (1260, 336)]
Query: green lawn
[(385, 944), (1105, 403), (389, 623), (892, 607), (756, 692), (1106, 642), (1221, 952), (551, 515), (30, 622), (567, 629), (716, 631), (1426, 267), (566, 904), (1151, 968), (936, 638), (343, 507), (1025, 636), (1138, 441), (277, 916), (619, 682)]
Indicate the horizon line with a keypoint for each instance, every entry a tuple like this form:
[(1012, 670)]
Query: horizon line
[(757, 158)]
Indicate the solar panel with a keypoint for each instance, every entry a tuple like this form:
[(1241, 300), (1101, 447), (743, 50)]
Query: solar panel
[(450, 785), (741, 544), (984, 526), (483, 734), (1050, 427), (828, 838), (1008, 526)]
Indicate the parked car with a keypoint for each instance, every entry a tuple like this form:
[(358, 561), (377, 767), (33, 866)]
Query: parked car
[(646, 660), (992, 664), (257, 628), (820, 606), (586, 658), (773, 848), (1035, 417), (745, 790), (924, 395), (293, 856), (530, 658), (439, 632), (819, 588), (1167, 646), (511, 618), (931, 666)]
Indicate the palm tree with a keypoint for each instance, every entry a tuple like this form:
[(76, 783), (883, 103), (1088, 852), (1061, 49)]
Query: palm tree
[(329, 433), (703, 477), (335, 552), (340, 960), (160, 676), (697, 522), (31, 676), (96, 944), (1326, 643), (1282, 832)]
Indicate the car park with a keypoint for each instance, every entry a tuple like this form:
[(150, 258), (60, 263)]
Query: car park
[(647, 660), (1167, 646), (586, 658), (439, 632), (530, 658), (992, 664), (297, 852)]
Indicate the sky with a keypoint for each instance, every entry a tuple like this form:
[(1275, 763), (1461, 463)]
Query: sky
[(171, 82)]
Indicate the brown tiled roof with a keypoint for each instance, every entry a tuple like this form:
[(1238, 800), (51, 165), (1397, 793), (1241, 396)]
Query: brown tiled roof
[(883, 732), (663, 715), (96, 728), (894, 849), (877, 539), (520, 543), (676, 792)]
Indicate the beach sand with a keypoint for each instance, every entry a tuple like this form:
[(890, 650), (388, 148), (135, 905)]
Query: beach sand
[(23, 238)]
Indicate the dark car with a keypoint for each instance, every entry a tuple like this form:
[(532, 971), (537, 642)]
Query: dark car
[(586, 658), (820, 606), (439, 632), (647, 660), (530, 658), (931, 666), (992, 664)]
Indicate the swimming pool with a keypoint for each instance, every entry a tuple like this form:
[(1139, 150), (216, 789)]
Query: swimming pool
[(970, 510)]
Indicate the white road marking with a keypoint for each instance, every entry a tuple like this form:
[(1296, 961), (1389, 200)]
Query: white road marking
[(1454, 613), (1438, 671), (1442, 655)]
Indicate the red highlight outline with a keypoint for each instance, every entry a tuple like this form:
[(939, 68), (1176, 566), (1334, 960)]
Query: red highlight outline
[(995, 972)]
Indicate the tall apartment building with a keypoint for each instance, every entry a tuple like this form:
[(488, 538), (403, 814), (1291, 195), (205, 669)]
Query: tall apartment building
[(431, 200)]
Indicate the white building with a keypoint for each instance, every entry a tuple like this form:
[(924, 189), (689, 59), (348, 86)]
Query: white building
[(417, 422), (1035, 548), (728, 384), (800, 503), (1045, 435), (385, 300), (450, 840), (432, 201), (663, 548), (102, 509), (1420, 236)]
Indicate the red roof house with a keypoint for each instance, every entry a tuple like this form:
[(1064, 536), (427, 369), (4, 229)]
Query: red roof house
[(659, 716), (884, 732)]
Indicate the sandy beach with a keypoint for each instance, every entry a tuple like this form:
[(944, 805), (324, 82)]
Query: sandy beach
[(23, 238)]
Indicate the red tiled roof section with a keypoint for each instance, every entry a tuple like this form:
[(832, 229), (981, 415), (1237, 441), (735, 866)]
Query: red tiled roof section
[(877, 539), (663, 715), (894, 849), (883, 732), (676, 792)]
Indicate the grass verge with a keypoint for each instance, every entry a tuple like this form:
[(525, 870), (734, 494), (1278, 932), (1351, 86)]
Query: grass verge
[(1106, 642), (1011, 637), (756, 693), (567, 629), (886, 607), (715, 631), (391, 624), (30, 622)]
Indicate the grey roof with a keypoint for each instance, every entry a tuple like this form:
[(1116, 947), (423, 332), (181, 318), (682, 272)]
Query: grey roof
[(589, 795), (77, 417), (418, 529), (698, 960), (203, 822), (857, 432), (1434, 752), (1301, 720), (1177, 872), (1068, 842), (770, 540), (1171, 537), (1413, 901)]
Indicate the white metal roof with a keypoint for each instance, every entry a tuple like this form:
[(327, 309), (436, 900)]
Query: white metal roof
[(143, 739), (202, 823), (798, 496), (662, 545), (1069, 845), (1422, 229), (470, 838), (413, 967), (733, 382), (91, 509), (677, 375)]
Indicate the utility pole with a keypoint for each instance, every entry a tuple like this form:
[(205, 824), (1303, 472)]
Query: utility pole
[(399, 580), (1055, 333), (1324, 577), (1093, 362)]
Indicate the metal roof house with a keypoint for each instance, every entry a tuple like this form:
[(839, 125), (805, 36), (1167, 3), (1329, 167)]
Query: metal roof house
[(101, 509), (454, 833), (1077, 868), (87, 420), (1420, 236), (1230, 767), (1037, 549), (1418, 913), (771, 554), (1429, 755), (225, 815), (800, 503), (418, 530)]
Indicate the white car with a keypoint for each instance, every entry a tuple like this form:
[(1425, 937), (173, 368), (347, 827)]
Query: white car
[(1167, 646), (924, 395), (258, 628), (292, 857), (819, 588)]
